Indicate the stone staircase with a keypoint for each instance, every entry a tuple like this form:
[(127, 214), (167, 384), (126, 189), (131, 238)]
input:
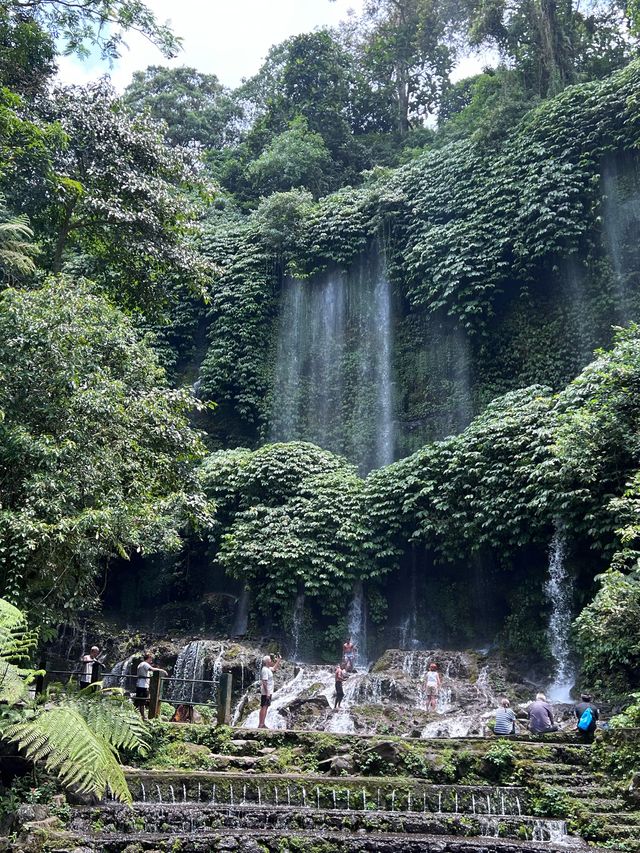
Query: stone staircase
[(265, 793)]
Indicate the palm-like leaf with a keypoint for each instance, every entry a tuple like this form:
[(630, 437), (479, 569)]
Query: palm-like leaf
[(16, 249), (16, 642), (13, 682), (112, 717), (83, 759), (79, 737)]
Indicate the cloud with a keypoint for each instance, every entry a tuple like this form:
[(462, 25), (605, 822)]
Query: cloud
[(227, 39)]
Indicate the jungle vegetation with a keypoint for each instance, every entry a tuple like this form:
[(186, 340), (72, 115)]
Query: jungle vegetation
[(143, 243)]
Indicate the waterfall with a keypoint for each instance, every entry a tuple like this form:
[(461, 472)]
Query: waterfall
[(333, 378), (241, 618), (621, 220), (121, 675), (296, 624), (559, 591), (189, 665), (358, 625)]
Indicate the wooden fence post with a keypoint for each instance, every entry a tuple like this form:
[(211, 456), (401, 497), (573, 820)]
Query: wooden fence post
[(155, 694), (224, 699)]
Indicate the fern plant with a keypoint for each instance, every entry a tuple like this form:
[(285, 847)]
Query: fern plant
[(78, 734), (16, 249)]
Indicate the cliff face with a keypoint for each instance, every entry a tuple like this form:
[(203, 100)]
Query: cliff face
[(463, 291)]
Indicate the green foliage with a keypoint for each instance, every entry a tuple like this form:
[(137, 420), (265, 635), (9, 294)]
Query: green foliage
[(485, 488), (195, 107), (95, 450), (500, 761), (16, 250), (76, 737), (16, 645), (295, 158), (608, 635), (236, 371), (630, 717), (128, 241), (290, 517), (27, 53), (100, 24)]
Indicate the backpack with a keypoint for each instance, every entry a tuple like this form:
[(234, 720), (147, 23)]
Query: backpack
[(586, 720)]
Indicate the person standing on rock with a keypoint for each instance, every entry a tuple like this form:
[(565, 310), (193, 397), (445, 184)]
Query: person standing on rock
[(269, 666), (349, 650), (341, 675), (432, 684), (587, 715), (541, 716), (143, 680)]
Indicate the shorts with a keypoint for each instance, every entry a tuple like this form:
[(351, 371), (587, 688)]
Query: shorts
[(432, 690), (142, 692), (265, 701), (84, 684), (339, 690)]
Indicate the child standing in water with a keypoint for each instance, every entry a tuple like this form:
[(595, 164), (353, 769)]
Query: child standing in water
[(432, 686)]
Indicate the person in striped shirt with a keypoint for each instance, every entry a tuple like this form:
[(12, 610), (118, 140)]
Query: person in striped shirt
[(505, 719)]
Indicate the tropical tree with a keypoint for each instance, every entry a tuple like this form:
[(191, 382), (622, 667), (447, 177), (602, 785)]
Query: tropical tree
[(195, 107), (406, 55), (96, 451), (295, 158), (76, 736), (122, 199), (79, 26)]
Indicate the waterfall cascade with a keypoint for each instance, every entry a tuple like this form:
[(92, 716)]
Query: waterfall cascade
[(241, 618), (333, 379), (358, 626), (296, 624), (559, 590), (621, 221)]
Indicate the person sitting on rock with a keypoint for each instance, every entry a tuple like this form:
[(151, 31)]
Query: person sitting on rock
[(349, 650), (269, 666), (586, 722), (341, 675), (432, 684), (505, 719), (541, 716)]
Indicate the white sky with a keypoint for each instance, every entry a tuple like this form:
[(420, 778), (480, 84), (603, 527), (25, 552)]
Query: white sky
[(229, 38)]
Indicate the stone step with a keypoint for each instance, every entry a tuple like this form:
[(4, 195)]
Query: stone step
[(303, 841), (564, 780), (197, 818), (162, 786), (600, 805), (624, 818)]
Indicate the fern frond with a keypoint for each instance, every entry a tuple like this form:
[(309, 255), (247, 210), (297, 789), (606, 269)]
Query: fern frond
[(82, 758), (13, 682), (112, 716), (16, 641)]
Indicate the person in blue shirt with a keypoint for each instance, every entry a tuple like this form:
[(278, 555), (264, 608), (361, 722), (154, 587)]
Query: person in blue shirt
[(587, 734)]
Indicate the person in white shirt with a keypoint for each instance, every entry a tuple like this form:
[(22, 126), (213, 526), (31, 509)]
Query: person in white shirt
[(432, 685), (269, 666), (143, 679), (87, 661)]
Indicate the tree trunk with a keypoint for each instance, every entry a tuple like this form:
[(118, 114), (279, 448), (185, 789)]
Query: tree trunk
[(63, 236)]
